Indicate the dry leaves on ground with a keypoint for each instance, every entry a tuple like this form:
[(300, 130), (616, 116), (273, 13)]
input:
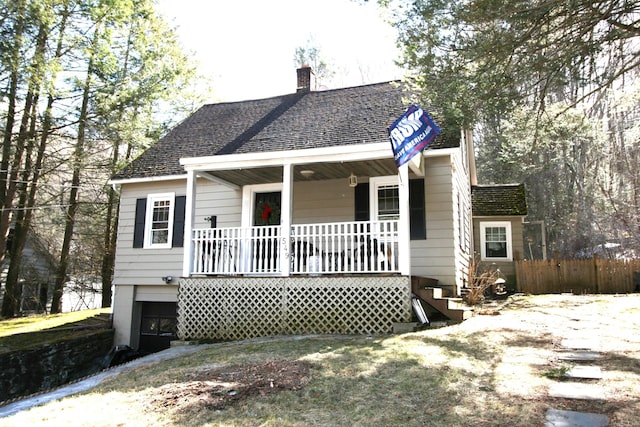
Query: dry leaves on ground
[(219, 388)]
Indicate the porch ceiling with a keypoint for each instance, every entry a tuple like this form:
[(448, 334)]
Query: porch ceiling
[(322, 171)]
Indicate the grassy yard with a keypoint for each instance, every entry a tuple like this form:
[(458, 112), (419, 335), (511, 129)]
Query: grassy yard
[(488, 371), (24, 332), (36, 323)]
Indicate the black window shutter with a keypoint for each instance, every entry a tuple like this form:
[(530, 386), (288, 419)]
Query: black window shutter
[(362, 202), (178, 222), (138, 225), (417, 217)]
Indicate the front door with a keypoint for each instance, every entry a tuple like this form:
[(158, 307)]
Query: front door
[(266, 231)]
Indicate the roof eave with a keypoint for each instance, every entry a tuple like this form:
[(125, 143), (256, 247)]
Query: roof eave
[(147, 179), (345, 153), (500, 216)]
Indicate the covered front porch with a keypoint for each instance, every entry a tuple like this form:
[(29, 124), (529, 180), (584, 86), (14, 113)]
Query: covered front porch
[(316, 242), (275, 236)]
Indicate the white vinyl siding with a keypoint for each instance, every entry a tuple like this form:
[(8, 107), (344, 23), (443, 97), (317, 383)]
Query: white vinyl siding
[(462, 218), (313, 201), (148, 266), (323, 201), (138, 273), (164, 293), (435, 257)]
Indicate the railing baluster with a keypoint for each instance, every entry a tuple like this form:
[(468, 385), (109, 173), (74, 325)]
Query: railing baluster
[(340, 247)]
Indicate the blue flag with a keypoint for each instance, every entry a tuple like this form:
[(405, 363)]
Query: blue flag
[(411, 133)]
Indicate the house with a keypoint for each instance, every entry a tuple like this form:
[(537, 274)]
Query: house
[(498, 218), (287, 215), (36, 276)]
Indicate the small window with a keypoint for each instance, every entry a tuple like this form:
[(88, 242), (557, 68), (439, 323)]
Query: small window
[(159, 326), (386, 201), (495, 238), (379, 199), (159, 223)]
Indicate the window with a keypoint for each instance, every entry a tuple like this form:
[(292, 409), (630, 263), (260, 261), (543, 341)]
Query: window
[(159, 221), (495, 238), (159, 326), (385, 196), (386, 201)]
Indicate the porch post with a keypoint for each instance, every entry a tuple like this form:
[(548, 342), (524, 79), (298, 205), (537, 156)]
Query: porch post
[(285, 219), (189, 214), (404, 242)]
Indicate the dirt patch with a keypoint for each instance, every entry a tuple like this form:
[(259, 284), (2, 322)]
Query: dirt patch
[(217, 389)]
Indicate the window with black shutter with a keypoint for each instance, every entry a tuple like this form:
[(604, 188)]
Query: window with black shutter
[(159, 221), (417, 207)]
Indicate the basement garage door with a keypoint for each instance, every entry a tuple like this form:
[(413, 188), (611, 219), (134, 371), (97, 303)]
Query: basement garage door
[(157, 326)]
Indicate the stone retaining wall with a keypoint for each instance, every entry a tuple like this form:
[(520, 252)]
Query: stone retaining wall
[(30, 371)]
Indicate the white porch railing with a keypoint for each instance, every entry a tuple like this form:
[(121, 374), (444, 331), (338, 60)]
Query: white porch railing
[(328, 248), (235, 250)]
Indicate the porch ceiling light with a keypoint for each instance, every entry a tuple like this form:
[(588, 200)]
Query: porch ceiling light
[(307, 173), (353, 180)]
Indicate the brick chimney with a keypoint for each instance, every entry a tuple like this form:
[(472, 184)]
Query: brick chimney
[(306, 78)]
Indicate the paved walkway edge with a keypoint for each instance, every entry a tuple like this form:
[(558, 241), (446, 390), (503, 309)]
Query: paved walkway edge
[(92, 381)]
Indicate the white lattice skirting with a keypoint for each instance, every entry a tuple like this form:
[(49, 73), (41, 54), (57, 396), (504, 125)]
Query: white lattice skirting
[(232, 308)]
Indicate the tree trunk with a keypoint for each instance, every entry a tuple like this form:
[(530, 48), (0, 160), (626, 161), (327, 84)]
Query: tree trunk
[(23, 218), (7, 147), (61, 274), (44, 137), (24, 144), (108, 257)]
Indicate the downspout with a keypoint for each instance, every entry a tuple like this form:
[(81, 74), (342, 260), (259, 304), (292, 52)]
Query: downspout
[(467, 138)]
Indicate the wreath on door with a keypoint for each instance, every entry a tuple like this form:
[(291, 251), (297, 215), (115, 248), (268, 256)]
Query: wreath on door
[(266, 212)]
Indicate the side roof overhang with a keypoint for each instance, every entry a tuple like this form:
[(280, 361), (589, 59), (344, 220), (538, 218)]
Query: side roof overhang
[(499, 200)]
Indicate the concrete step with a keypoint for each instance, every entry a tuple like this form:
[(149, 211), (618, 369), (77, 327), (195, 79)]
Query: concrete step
[(585, 372), (579, 356), (580, 344), (561, 418), (579, 391)]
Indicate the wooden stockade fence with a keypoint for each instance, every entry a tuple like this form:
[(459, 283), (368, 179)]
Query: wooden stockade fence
[(579, 276)]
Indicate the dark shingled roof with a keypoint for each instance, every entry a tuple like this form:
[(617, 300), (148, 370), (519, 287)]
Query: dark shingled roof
[(356, 115), (499, 200)]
